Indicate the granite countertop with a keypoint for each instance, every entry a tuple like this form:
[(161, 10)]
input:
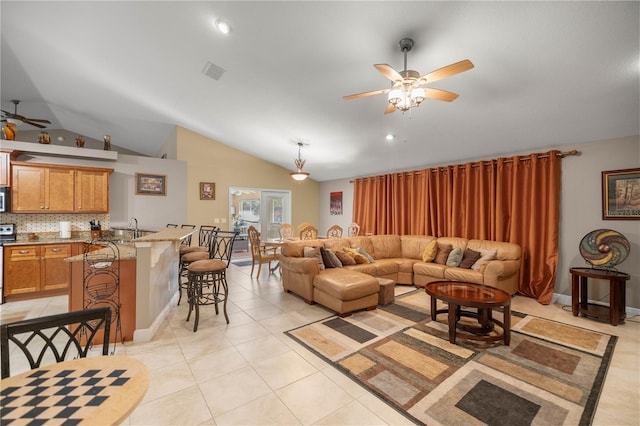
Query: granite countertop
[(128, 250)]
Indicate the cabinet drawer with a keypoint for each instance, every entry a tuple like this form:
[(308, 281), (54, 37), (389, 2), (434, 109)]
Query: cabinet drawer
[(23, 253), (56, 250)]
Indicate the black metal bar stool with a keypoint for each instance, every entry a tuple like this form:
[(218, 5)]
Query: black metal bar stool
[(207, 279)]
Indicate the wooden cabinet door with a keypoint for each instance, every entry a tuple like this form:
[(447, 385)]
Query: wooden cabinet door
[(21, 270), (4, 169), (59, 190), (28, 189), (56, 273), (92, 191)]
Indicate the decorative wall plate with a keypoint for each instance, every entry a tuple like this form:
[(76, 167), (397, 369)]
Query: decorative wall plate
[(604, 248)]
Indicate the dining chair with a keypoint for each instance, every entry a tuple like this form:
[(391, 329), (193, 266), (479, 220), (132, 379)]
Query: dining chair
[(54, 337), (207, 279), (309, 233), (334, 231), (303, 225), (353, 230), (259, 252), (285, 231)]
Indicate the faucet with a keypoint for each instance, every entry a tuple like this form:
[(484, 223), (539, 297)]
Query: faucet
[(135, 230)]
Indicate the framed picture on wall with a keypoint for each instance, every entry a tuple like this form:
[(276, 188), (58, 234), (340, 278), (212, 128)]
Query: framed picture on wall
[(207, 191), (335, 203), (147, 184), (621, 194)]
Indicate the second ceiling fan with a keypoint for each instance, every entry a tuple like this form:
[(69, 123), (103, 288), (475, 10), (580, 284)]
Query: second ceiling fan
[(37, 122), (409, 89)]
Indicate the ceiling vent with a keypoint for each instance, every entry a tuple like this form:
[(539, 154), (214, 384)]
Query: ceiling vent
[(213, 71)]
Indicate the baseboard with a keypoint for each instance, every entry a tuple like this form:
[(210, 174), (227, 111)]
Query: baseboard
[(146, 334), (564, 299)]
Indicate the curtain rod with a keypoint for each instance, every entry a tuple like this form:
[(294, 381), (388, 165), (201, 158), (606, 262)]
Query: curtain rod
[(506, 160)]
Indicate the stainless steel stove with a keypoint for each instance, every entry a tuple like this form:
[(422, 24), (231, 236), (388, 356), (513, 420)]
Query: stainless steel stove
[(7, 232)]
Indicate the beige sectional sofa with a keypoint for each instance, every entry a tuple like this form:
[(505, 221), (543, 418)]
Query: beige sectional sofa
[(396, 257)]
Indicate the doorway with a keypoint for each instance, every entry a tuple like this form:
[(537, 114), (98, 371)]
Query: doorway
[(265, 209)]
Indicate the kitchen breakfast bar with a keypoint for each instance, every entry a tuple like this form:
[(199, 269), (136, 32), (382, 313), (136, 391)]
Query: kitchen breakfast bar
[(148, 281)]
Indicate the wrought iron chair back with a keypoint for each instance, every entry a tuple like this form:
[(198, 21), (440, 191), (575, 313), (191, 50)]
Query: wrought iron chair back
[(40, 337), (187, 241), (205, 235), (222, 246)]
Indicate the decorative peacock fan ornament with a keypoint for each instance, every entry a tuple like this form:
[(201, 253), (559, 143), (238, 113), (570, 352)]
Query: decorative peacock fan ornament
[(604, 248)]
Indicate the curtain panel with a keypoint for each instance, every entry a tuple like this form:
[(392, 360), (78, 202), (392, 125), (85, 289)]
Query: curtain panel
[(513, 199)]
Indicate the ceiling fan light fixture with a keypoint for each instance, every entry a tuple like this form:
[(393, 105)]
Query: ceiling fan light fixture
[(223, 26), (299, 162)]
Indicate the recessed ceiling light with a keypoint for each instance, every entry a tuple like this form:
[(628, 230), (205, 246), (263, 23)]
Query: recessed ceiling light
[(223, 26), (389, 137)]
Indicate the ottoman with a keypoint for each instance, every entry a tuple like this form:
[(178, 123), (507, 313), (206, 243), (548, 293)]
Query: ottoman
[(345, 291), (386, 294)]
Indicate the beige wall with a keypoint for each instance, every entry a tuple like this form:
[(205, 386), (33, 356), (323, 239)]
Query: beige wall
[(211, 161)]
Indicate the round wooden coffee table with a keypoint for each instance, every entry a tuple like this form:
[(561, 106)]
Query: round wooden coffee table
[(481, 297)]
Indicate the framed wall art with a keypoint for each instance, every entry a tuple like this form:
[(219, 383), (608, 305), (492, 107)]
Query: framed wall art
[(621, 194), (147, 184), (335, 203), (207, 191)]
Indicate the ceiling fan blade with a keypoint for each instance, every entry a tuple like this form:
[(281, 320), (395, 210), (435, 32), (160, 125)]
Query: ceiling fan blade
[(365, 94), (389, 72), (38, 120), (440, 95), (27, 121), (448, 71), (390, 108)]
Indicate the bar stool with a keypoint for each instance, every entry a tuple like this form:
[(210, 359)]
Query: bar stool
[(207, 279), (204, 239), (187, 258)]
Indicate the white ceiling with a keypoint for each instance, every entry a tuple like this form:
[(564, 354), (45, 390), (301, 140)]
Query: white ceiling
[(546, 74)]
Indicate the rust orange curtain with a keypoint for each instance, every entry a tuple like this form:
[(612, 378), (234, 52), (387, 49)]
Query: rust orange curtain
[(510, 199)]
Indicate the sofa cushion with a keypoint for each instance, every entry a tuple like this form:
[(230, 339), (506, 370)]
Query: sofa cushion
[(430, 269), (336, 244), (466, 275), (344, 258), (455, 257), (365, 243), (485, 256), (443, 253), (430, 251), (469, 258), (334, 259), (413, 245), (345, 284), (504, 250), (385, 246), (314, 252), (296, 248), (328, 261), (365, 268)]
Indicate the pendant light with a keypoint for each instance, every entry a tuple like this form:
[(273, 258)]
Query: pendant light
[(299, 162)]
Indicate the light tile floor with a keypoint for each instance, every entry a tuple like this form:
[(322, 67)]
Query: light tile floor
[(249, 372)]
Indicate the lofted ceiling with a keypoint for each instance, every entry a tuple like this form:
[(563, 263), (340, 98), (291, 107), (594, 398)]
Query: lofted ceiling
[(546, 74)]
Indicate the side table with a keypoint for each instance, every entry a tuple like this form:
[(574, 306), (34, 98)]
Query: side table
[(615, 312)]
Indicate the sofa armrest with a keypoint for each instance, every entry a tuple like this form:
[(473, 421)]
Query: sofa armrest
[(502, 274), (300, 265), (298, 274)]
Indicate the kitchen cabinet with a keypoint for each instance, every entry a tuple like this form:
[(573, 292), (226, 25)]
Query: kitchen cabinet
[(4, 169), (37, 189), (92, 191), (36, 270), (50, 188)]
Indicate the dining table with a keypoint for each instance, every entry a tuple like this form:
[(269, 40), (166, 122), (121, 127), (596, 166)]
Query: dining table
[(95, 390), (276, 243)]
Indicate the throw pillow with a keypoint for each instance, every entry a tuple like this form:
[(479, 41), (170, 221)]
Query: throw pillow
[(443, 253), (430, 251), (485, 255), (356, 255), (469, 258), (314, 252), (455, 257), (345, 258), (334, 259), (326, 259), (365, 254)]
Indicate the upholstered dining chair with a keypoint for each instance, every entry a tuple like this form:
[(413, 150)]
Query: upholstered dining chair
[(334, 231), (285, 231), (57, 337), (309, 233), (259, 252), (353, 230), (303, 225)]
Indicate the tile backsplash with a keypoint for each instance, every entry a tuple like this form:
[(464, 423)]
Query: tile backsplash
[(26, 222)]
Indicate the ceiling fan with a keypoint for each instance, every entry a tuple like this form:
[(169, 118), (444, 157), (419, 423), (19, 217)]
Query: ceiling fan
[(15, 116), (408, 88)]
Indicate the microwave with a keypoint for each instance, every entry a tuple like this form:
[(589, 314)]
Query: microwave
[(5, 199)]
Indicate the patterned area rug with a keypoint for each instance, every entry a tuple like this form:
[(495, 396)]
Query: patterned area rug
[(551, 374)]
